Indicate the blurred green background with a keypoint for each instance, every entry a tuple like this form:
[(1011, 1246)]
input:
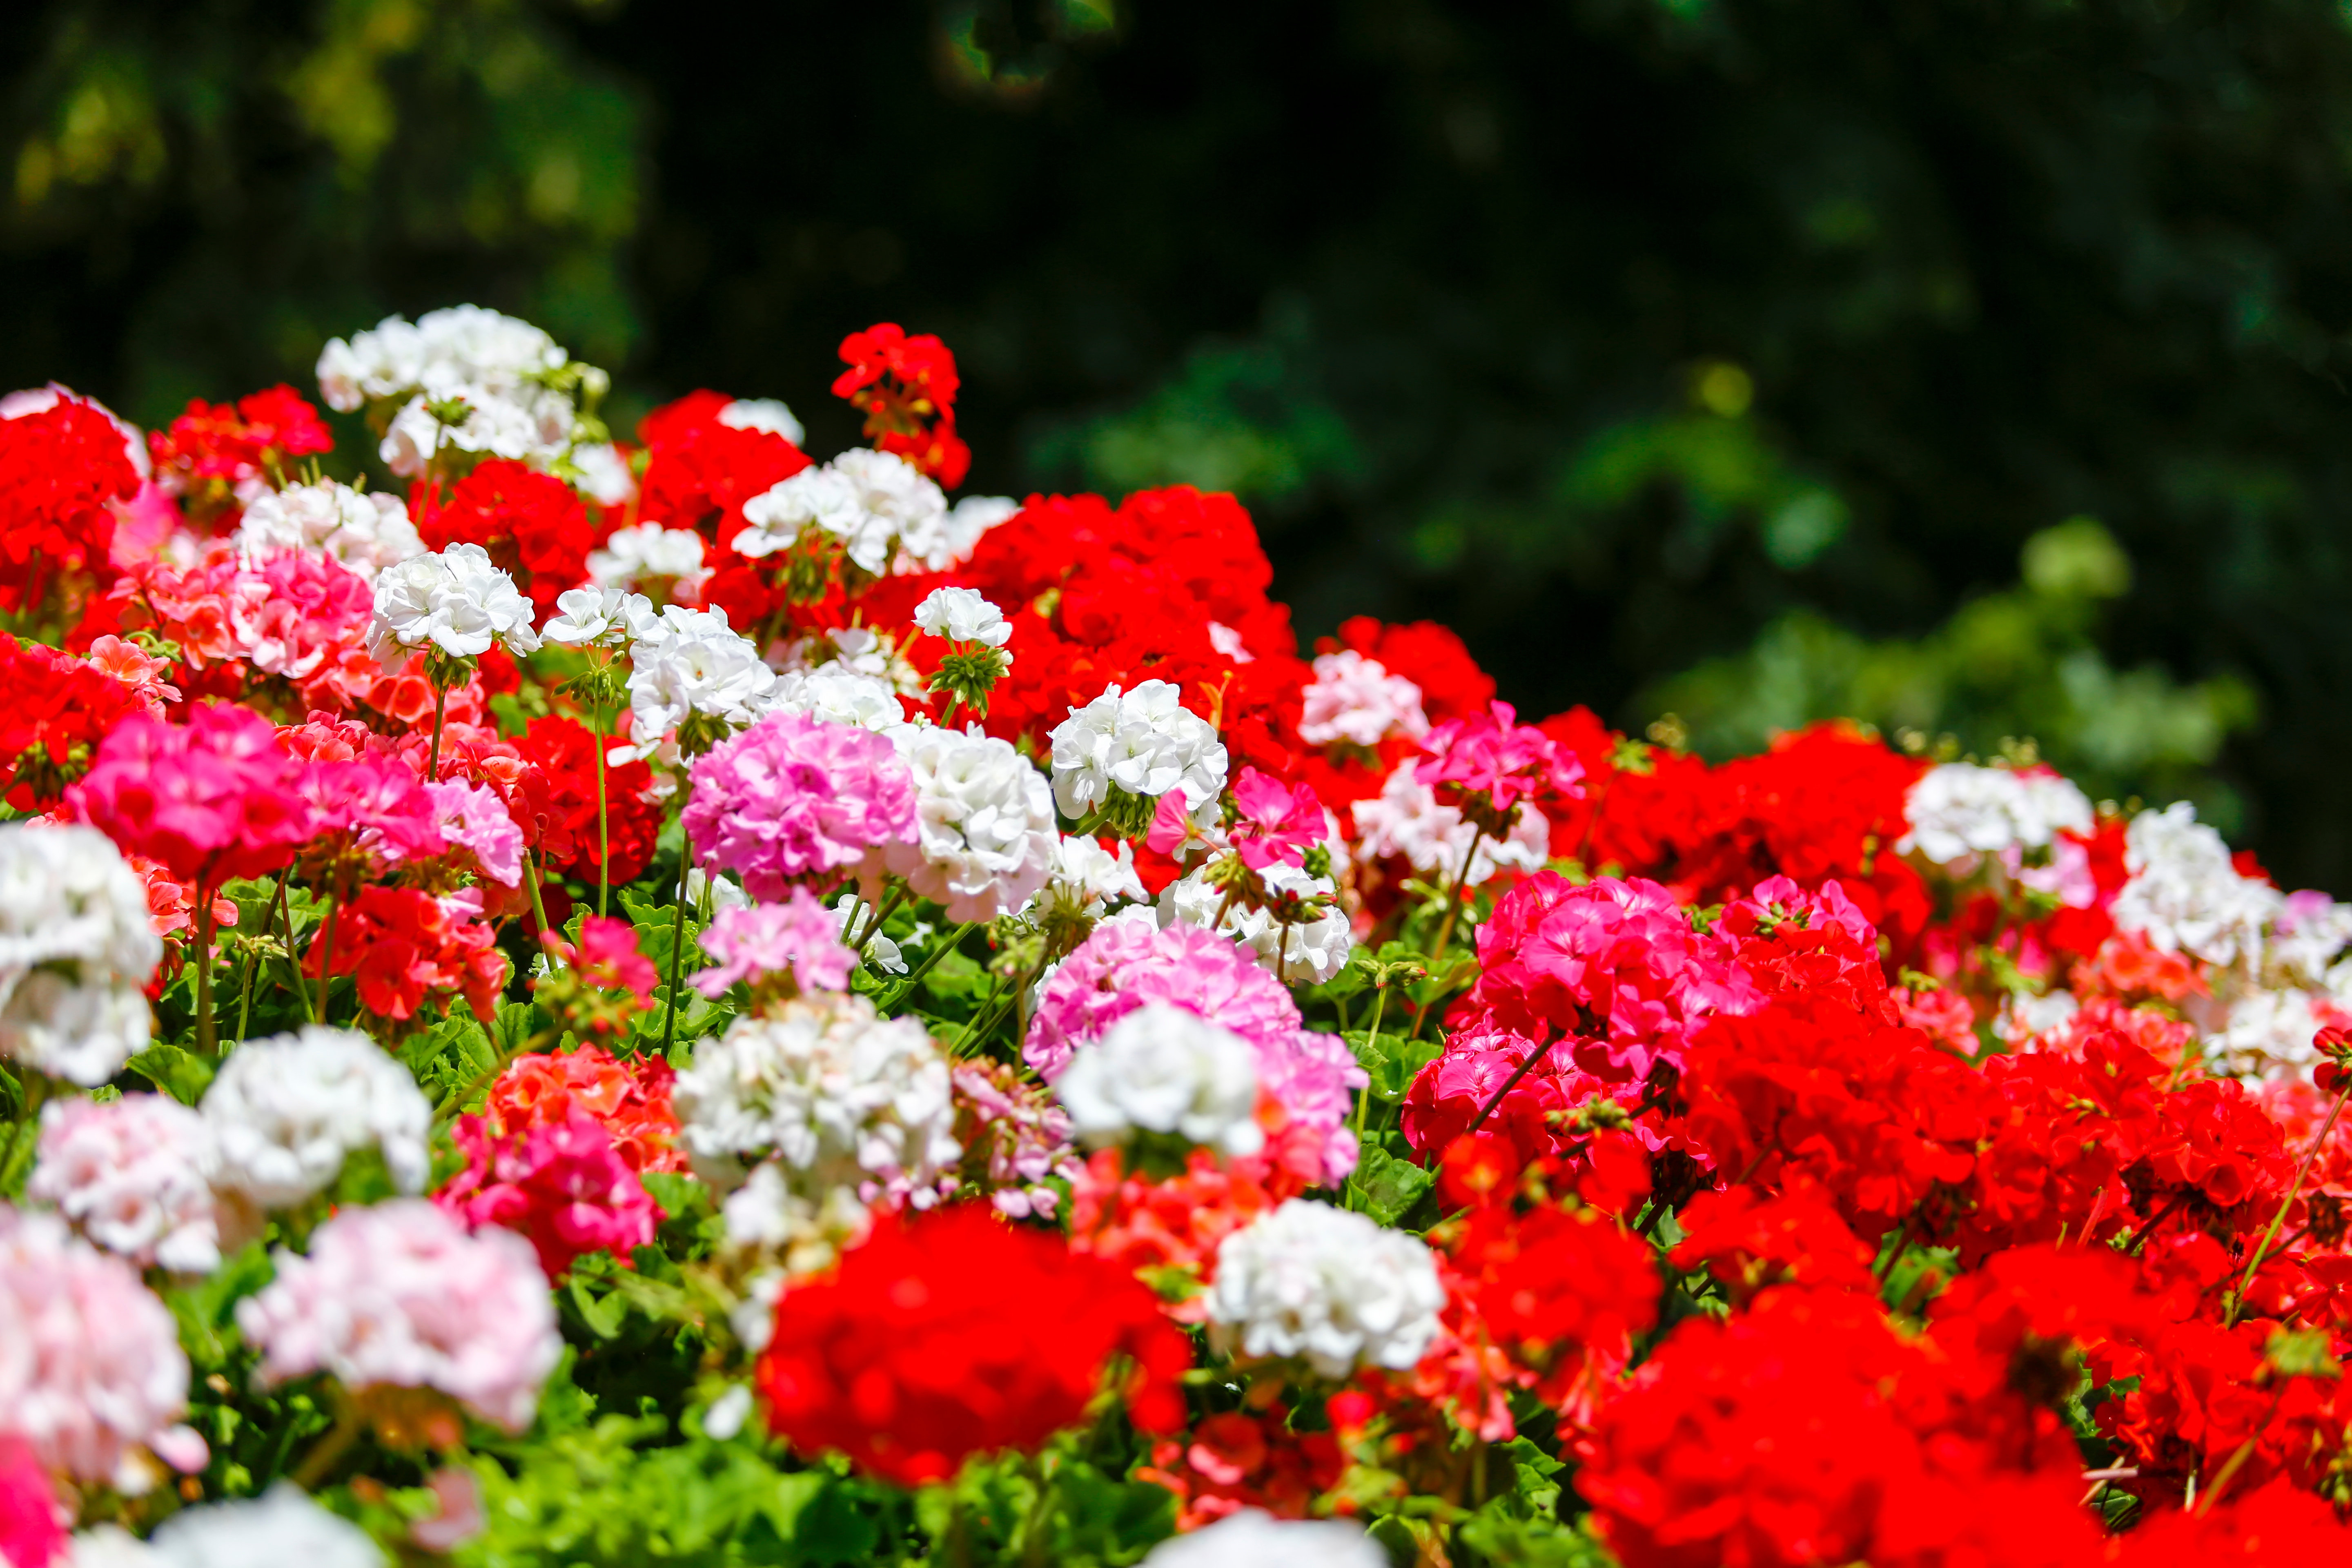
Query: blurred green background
[(1976, 367)]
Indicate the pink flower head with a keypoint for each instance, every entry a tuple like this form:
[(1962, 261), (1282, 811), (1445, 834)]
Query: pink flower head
[(472, 816), (136, 668), (90, 1364), (797, 937), (1494, 755), (1171, 823), (31, 1532), (400, 1294), (794, 796), (1279, 822), (217, 797), (1128, 963), (377, 803), (562, 1187), (1614, 966), (608, 956), (133, 1175)]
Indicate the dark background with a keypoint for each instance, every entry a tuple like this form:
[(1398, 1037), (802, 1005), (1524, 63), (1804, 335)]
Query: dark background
[(1975, 368)]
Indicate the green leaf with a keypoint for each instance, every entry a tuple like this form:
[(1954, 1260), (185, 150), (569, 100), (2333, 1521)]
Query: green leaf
[(180, 1074), (1384, 1186)]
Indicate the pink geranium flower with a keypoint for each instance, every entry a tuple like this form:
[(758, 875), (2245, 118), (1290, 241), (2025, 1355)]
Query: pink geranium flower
[(794, 797), (215, 798)]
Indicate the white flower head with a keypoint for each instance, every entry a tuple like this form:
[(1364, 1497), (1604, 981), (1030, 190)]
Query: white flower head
[(842, 1096), (690, 661), (1086, 879), (984, 835), (1960, 811), (1167, 1070), (132, 1175), (286, 1111), (1355, 699), (282, 1526), (840, 694), (762, 414), (888, 516), (650, 553), (586, 617), (1333, 1287), (1407, 820), (1252, 1538), (366, 532), (960, 614), (498, 374), (1143, 742), (1310, 951), (2184, 895), (604, 475), (77, 946), (968, 522), (456, 600)]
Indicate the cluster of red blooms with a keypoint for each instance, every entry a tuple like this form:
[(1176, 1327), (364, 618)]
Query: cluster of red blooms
[(907, 387), (535, 526), (212, 449)]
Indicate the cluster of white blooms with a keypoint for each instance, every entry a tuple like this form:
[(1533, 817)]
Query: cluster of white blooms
[(985, 836), (960, 614), (287, 1109), (1252, 1538), (1355, 699), (90, 1366), (767, 413), (603, 474), (1143, 742), (400, 1294), (800, 1224), (1084, 878), (1306, 952), (1164, 1070), (504, 371), (455, 599), (76, 947), (1407, 820), (969, 522), (587, 616), (888, 516), (1960, 811), (841, 1096), (2185, 896), (364, 530), (282, 1526), (2265, 1029), (839, 693), (2308, 942), (690, 661), (134, 1175), (1327, 1284), (650, 552)]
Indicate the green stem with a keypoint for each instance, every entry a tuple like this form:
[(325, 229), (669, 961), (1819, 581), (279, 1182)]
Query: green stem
[(440, 707), (1454, 899), (884, 909), (320, 1461), (538, 907), (207, 1035), (253, 960), (904, 987), (35, 1089), (326, 960), (293, 964), (1371, 1042), (676, 943), (604, 825)]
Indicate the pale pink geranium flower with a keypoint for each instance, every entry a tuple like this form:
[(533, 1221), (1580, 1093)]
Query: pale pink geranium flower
[(132, 1175), (1493, 756), (398, 1294), (91, 1372), (798, 937), (473, 817)]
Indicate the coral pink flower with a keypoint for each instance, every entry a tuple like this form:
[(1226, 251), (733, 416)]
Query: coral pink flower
[(405, 944), (1494, 755), (798, 937), (608, 956), (794, 796), (215, 798), (560, 1186), (1279, 822)]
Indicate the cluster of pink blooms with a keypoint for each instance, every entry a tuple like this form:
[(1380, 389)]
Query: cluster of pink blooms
[(794, 797)]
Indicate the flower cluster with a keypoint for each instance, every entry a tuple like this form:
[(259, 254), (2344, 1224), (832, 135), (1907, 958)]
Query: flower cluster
[(673, 933)]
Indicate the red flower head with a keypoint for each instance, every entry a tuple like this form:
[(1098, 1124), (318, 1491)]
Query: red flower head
[(404, 946), (907, 388), (630, 1098), (212, 448), (58, 708), (566, 752), (61, 470), (956, 1334)]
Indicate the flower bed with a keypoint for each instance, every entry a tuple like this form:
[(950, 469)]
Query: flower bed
[(665, 1001)]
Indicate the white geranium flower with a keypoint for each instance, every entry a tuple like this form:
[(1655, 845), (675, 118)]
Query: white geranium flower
[(888, 516), (842, 1096), (76, 946), (497, 372), (1960, 811), (1252, 1538), (286, 1111), (456, 600), (1407, 820), (604, 476), (1165, 1069), (2184, 895), (837, 692), (650, 552), (960, 614), (984, 823), (689, 661), (1143, 742), (1323, 1283), (604, 614), (1314, 951), (281, 1527), (366, 532), (1355, 699)]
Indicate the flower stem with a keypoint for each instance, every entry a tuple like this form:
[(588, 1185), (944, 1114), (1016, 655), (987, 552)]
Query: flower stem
[(326, 960), (676, 943), (35, 1088), (286, 913), (2238, 1301), (1510, 1084), (604, 823), (1454, 899), (207, 1037), (440, 708), (1371, 1042), (940, 949), (253, 960), (320, 1461)]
